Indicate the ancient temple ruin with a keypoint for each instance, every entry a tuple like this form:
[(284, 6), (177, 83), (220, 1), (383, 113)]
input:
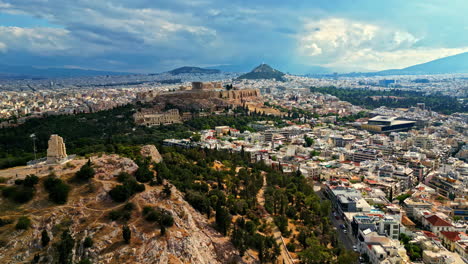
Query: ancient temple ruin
[(56, 152)]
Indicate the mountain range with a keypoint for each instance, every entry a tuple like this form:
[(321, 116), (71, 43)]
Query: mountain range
[(452, 64), (13, 71)]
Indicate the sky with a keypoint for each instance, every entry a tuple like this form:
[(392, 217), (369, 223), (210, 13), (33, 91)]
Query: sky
[(297, 35)]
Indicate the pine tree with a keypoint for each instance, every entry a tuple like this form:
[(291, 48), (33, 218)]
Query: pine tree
[(127, 234), (223, 219), (45, 239)]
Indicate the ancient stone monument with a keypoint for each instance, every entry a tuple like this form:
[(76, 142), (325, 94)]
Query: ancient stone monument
[(56, 152)]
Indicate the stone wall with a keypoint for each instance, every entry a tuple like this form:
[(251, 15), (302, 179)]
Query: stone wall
[(149, 118)]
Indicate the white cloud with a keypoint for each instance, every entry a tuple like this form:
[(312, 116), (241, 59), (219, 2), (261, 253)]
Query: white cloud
[(3, 47), (352, 45), (36, 40)]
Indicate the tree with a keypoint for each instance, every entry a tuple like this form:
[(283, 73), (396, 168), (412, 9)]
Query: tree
[(308, 141), (45, 239), (347, 256), (196, 137), (65, 247), (268, 249), (126, 234), (143, 173), (58, 190), (86, 172), (88, 242), (223, 219)]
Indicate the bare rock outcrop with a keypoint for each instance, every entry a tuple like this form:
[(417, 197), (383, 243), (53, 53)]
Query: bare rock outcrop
[(190, 240), (152, 152)]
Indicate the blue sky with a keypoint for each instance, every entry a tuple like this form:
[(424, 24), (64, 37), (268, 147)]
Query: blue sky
[(158, 35)]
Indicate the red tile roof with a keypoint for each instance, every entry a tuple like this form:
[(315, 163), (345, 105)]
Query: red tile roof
[(429, 234), (372, 182), (437, 221), (451, 235)]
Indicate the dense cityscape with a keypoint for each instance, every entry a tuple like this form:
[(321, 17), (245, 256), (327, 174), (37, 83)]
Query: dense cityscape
[(233, 132)]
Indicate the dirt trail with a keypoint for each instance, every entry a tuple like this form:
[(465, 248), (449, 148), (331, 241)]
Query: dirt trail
[(285, 257)]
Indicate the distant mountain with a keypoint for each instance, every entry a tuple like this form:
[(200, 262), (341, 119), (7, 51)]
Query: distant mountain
[(452, 64), (263, 71), (188, 69), (15, 72)]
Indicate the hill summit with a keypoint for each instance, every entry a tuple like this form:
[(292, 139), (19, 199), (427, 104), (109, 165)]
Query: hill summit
[(188, 69), (263, 71)]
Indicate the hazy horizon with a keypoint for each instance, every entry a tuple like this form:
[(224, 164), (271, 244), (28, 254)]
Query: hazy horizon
[(144, 36)]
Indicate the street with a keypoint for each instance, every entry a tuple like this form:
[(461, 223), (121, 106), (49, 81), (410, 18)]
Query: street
[(345, 239)]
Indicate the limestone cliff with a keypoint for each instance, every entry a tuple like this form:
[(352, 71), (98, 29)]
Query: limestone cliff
[(190, 240)]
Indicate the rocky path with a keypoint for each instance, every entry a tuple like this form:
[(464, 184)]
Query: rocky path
[(285, 257)]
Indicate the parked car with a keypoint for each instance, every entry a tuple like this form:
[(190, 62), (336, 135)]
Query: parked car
[(355, 248)]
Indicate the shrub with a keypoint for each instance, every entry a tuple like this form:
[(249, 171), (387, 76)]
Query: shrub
[(123, 177), (19, 194), (125, 213), (88, 242), (114, 215), (23, 191), (23, 223), (143, 173), (30, 180), (58, 190), (86, 172), (159, 215), (291, 247), (121, 193)]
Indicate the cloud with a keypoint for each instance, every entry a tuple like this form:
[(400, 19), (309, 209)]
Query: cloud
[(36, 40), (352, 45), (3, 47), (158, 35)]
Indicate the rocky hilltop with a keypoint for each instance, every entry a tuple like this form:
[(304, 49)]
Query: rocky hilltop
[(191, 239), (263, 71)]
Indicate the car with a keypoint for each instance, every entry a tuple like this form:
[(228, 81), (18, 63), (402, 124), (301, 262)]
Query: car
[(345, 231), (342, 226), (355, 248), (337, 217)]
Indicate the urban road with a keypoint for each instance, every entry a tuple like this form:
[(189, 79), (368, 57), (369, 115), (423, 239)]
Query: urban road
[(345, 238)]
